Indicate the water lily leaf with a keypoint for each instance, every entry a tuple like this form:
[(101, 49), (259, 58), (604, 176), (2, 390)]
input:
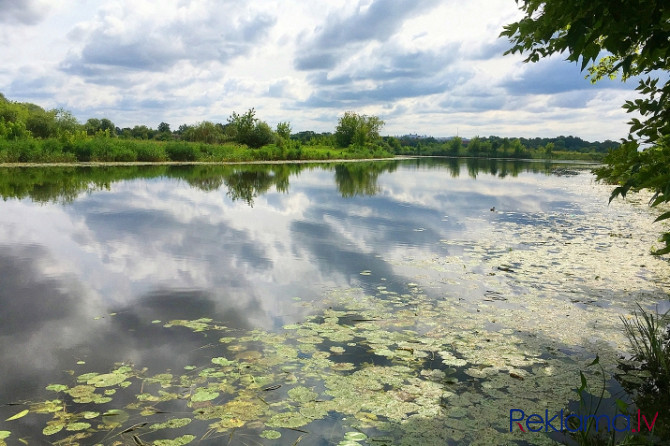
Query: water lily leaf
[(204, 394), (222, 361), (54, 428), (51, 406), (290, 420), (171, 424), (107, 380), (56, 387), (180, 441), (21, 414), (355, 436), (115, 417), (79, 426), (302, 394), (271, 434)]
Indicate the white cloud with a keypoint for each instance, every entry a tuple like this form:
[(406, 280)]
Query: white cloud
[(423, 66)]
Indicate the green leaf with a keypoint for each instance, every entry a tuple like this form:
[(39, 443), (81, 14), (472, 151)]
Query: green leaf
[(583, 380), (663, 216), (21, 414), (623, 407)]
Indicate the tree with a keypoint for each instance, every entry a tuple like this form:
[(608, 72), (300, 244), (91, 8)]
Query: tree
[(454, 146), (548, 150), (163, 127), (634, 37), (249, 130), (474, 146), (41, 124), (65, 121), (141, 132), (284, 130), (358, 130)]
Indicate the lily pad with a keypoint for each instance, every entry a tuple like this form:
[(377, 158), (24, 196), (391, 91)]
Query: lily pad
[(179, 441), (107, 380), (57, 387), (290, 420), (204, 394), (270, 434), (302, 394), (54, 428), (21, 414)]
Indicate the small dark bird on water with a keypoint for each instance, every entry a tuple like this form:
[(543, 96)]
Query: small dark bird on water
[(493, 209)]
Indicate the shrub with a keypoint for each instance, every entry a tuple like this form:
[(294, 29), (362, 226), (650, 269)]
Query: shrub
[(150, 152), (181, 151)]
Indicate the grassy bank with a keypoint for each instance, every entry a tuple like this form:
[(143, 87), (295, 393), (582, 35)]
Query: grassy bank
[(105, 149)]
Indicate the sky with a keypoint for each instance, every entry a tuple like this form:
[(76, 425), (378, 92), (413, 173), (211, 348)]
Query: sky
[(431, 67)]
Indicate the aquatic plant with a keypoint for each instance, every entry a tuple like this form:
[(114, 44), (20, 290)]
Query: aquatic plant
[(649, 338)]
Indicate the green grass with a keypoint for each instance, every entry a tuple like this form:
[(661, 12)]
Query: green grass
[(104, 149)]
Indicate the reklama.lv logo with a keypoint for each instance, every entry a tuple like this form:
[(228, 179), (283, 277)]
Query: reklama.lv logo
[(538, 423)]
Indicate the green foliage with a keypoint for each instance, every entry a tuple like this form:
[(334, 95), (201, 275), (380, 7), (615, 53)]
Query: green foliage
[(649, 338), (633, 170), (634, 33), (636, 38), (181, 151), (163, 127), (41, 124), (358, 130), (205, 131), (141, 132), (284, 130), (247, 129)]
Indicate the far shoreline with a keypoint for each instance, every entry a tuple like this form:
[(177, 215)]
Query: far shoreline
[(305, 161)]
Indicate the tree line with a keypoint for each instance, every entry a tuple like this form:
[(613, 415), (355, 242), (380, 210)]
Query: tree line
[(561, 147), (28, 133)]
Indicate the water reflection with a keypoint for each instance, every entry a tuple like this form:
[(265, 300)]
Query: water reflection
[(243, 182), (95, 260)]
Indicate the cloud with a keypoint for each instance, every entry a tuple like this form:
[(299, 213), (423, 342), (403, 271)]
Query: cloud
[(388, 75), (137, 40), (553, 76), (381, 20), (27, 12)]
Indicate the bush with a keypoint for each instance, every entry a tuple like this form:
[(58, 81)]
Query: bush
[(150, 152), (180, 151)]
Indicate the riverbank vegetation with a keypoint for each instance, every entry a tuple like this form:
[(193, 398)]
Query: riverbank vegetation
[(559, 148), (31, 134)]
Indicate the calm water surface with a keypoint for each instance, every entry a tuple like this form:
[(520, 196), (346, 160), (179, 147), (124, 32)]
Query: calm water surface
[(470, 282)]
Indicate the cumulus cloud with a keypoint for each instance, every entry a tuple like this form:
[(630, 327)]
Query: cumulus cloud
[(551, 77), (387, 75), (27, 12), (381, 20), (141, 39)]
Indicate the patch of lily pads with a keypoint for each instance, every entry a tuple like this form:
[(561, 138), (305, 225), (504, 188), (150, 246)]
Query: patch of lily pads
[(381, 369)]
